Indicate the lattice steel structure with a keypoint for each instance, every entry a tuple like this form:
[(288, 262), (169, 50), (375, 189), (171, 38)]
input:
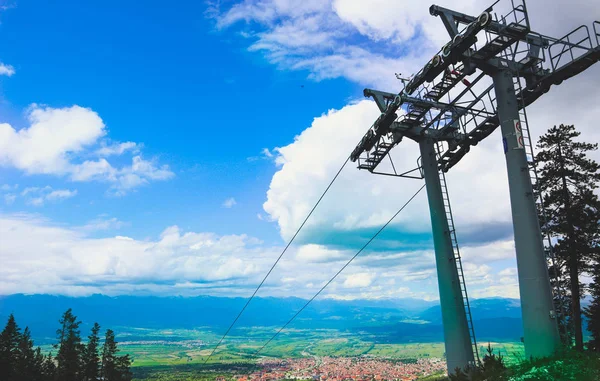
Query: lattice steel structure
[(484, 77)]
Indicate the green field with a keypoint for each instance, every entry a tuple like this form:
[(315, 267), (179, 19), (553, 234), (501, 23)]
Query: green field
[(181, 347), (179, 354)]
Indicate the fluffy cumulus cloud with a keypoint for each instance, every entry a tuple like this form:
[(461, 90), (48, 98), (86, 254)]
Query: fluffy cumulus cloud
[(71, 142), (359, 200), (64, 260), (39, 256)]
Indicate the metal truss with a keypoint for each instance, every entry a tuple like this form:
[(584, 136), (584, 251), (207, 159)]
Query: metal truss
[(452, 98)]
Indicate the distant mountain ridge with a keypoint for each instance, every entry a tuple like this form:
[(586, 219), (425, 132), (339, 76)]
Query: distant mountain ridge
[(393, 319)]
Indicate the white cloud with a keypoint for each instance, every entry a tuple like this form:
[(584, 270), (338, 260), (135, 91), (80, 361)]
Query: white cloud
[(266, 153), (509, 271), (61, 194), (367, 42), (6, 70), (312, 36), (490, 252), (93, 170), (117, 148), (36, 201), (382, 19), (53, 135), (358, 280), (360, 200), (41, 257), (56, 138), (317, 253), (229, 203), (29, 190), (37, 196), (103, 223)]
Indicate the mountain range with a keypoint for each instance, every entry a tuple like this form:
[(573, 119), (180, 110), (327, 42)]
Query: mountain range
[(390, 320)]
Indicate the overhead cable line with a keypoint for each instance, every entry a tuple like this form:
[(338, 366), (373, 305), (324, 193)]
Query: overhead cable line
[(342, 269), (277, 261)]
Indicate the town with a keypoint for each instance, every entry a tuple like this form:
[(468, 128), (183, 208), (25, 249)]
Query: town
[(345, 368)]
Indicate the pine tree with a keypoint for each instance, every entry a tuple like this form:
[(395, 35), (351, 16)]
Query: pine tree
[(69, 348), (123, 364), (91, 362), (113, 367), (49, 368), (592, 312), (28, 364), (9, 348), (567, 180), (38, 364), (109, 351)]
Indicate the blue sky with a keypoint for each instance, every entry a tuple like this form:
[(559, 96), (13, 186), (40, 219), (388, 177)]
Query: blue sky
[(164, 77), (174, 149)]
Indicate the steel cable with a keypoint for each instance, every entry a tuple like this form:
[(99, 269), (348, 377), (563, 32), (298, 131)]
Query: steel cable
[(277, 261), (342, 269)]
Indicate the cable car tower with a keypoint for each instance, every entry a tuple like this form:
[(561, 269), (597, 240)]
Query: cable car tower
[(484, 77)]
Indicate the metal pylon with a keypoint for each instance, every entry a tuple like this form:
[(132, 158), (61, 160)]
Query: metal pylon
[(457, 258), (510, 49), (557, 290)]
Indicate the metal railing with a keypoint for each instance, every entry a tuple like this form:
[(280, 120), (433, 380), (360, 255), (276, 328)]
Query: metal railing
[(573, 45), (518, 13), (596, 26)]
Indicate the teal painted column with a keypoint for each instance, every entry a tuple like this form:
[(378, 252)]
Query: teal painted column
[(459, 352), (540, 327)]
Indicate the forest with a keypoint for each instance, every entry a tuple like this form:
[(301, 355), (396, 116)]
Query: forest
[(74, 359)]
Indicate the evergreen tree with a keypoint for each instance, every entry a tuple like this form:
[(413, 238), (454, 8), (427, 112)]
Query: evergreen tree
[(592, 312), (123, 363), (109, 352), (567, 180), (19, 361), (113, 367), (9, 348), (49, 368), (38, 364), (69, 348), (28, 364), (91, 362)]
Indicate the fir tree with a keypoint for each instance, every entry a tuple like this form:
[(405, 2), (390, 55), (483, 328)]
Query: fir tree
[(9, 348), (567, 180), (122, 365), (49, 368), (113, 367), (109, 352), (28, 364), (69, 348), (91, 363)]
